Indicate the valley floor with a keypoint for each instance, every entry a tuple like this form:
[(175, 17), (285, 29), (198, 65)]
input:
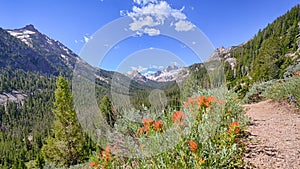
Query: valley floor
[(274, 136)]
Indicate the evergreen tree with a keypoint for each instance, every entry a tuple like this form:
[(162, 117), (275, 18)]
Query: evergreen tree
[(65, 148), (106, 108)]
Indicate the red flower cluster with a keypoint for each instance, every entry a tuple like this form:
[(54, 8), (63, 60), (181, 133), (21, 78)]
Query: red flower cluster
[(201, 101), (105, 157), (178, 117), (193, 146), (93, 164), (234, 128), (158, 125), (106, 154), (148, 123)]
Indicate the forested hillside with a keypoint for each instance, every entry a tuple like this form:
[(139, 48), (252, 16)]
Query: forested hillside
[(24, 125), (268, 54)]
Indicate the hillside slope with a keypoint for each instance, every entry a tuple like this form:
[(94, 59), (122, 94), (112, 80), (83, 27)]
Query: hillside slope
[(272, 53)]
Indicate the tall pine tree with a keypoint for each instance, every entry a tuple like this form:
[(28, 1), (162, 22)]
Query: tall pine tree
[(106, 108), (66, 146)]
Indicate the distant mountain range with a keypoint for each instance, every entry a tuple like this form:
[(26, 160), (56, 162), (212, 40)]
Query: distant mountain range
[(170, 73), (28, 49)]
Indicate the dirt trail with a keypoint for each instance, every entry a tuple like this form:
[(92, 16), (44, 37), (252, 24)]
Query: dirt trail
[(274, 133)]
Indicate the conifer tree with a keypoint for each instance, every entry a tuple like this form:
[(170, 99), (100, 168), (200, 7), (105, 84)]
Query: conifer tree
[(65, 147), (106, 108)]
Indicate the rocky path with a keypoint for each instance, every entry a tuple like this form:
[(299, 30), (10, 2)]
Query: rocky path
[(274, 136)]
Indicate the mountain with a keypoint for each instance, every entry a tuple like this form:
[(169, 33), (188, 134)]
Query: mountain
[(28, 49), (32, 51), (137, 76), (169, 74), (273, 53), (53, 50)]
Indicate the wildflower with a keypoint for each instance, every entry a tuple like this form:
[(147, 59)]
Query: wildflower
[(158, 125), (147, 121), (146, 128), (141, 131), (202, 100), (201, 161), (178, 116), (211, 99), (193, 146), (93, 164), (234, 127), (106, 153)]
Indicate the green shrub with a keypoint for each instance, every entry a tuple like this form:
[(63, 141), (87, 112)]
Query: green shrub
[(255, 94), (288, 89), (206, 134)]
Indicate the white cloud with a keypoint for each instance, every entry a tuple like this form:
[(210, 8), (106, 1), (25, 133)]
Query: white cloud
[(123, 13), (160, 11), (148, 14), (76, 41), (177, 14), (144, 2), (152, 31), (141, 22), (138, 68), (183, 26), (86, 39)]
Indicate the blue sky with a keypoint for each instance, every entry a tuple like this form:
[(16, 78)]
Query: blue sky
[(224, 22)]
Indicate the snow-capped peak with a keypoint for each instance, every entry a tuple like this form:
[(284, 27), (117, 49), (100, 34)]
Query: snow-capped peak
[(24, 34), (135, 75), (170, 73)]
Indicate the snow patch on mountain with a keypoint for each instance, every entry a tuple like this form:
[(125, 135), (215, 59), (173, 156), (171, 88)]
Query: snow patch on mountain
[(170, 73), (137, 76), (23, 35)]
